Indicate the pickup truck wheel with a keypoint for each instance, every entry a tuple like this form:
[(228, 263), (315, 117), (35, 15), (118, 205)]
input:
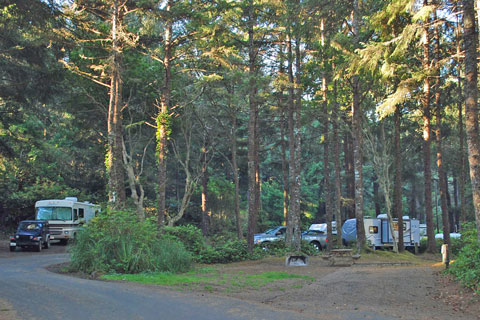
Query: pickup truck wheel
[(47, 244), (265, 245), (316, 245), (39, 247), (12, 248), (63, 242)]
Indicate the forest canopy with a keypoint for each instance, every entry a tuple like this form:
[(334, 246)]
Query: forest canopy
[(237, 116)]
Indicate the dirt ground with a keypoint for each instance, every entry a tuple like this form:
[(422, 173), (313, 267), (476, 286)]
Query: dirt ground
[(367, 289), (373, 287)]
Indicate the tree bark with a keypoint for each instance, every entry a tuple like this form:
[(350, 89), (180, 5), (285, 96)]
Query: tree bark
[(236, 179), (358, 140), (336, 156), (376, 196), (204, 204), (115, 169), (397, 189), (471, 104), (253, 178), (349, 173), (427, 142), (326, 168), (461, 187), (163, 123)]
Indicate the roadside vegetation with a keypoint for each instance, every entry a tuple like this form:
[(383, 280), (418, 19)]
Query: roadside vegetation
[(466, 267), (207, 278), (117, 242)]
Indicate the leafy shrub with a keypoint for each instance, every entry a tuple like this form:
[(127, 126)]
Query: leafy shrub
[(118, 242), (191, 237), (230, 251), (278, 249), (466, 267)]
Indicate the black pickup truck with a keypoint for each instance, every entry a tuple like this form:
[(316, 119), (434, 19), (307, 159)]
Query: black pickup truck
[(31, 233)]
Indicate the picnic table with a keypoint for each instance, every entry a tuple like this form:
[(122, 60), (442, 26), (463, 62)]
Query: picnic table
[(341, 257)]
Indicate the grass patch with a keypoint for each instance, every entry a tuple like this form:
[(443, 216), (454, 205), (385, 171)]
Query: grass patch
[(159, 278), (207, 278), (274, 276)]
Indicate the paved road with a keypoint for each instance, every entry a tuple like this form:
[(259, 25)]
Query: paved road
[(36, 293)]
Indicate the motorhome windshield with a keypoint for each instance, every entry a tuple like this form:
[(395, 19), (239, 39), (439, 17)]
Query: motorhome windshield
[(54, 213)]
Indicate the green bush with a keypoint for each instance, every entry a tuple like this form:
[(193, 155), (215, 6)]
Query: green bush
[(278, 249), (191, 237), (466, 267), (230, 251), (118, 242)]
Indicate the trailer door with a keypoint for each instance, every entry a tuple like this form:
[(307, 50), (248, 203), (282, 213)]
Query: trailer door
[(386, 234)]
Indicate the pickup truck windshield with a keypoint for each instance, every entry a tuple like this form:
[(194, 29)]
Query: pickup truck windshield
[(54, 213)]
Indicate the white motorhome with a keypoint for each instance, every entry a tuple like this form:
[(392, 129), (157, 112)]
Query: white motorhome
[(65, 217)]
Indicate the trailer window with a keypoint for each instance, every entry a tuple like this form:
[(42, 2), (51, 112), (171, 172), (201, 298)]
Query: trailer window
[(81, 214), (373, 229), (54, 213)]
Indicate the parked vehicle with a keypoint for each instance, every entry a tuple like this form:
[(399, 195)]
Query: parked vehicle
[(453, 235), (316, 238), (31, 233), (65, 217), (271, 235), (379, 234), (323, 227)]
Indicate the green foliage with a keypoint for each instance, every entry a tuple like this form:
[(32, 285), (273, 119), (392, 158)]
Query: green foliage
[(190, 236), (466, 267), (223, 249), (279, 249), (117, 242), (230, 251)]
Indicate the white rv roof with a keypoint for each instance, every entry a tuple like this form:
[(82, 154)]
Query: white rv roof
[(59, 203)]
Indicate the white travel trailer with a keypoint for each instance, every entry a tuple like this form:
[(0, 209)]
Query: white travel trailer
[(65, 217), (378, 233)]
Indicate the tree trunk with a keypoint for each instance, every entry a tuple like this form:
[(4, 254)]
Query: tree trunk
[(133, 182), (427, 142), (163, 120), (236, 179), (471, 104), (358, 140), (376, 196), (326, 169), (298, 145), (441, 175), (463, 200), (115, 169), (349, 173), (204, 207), (336, 156), (253, 178), (397, 189)]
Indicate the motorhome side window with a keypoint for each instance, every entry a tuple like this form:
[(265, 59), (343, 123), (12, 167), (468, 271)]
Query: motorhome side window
[(75, 214), (81, 215)]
